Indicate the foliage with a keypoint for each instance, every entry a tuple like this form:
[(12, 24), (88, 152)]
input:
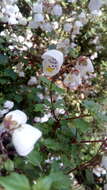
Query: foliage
[(73, 121)]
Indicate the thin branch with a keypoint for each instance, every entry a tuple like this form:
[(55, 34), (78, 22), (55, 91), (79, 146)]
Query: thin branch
[(90, 141), (88, 163), (52, 107), (77, 117)]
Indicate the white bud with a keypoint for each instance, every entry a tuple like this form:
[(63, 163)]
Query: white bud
[(52, 62), (38, 17), (32, 81), (21, 74), (24, 139), (37, 7), (9, 104), (57, 10), (67, 27)]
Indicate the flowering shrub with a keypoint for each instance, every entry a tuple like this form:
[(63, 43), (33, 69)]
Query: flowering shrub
[(53, 96)]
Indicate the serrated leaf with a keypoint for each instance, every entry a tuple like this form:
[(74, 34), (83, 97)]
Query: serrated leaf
[(39, 108), (92, 106), (43, 184), (52, 144), (35, 158), (81, 124), (15, 182), (45, 81), (9, 165), (54, 181)]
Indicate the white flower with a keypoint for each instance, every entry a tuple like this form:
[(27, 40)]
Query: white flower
[(90, 67), (3, 112), (36, 119), (38, 17), (59, 111), (105, 186), (32, 81), (55, 25), (104, 161), (37, 7), (24, 139), (47, 27), (72, 1), (14, 118), (12, 20), (21, 74), (73, 80), (67, 27), (82, 18), (96, 13), (98, 171), (9, 104), (84, 66), (95, 5), (57, 10), (45, 118), (22, 21), (76, 27), (52, 62), (94, 56)]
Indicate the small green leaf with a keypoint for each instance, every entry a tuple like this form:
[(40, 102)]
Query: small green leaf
[(43, 184), (39, 108), (81, 124), (3, 59), (35, 158), (9, 165), (15, 182), (45, 81)]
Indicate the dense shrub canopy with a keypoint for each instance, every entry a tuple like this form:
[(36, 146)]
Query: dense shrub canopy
[(53, 94)]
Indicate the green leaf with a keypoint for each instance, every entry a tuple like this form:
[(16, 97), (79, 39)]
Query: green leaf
[(3, 59), (52, 144), (45, 81), (57, 89), (10, 73), (35, 158), (39, 108), (9, 165), (81, 124), (43, 184), (89, 177), (92, 106), (55, 181), (15, 182)]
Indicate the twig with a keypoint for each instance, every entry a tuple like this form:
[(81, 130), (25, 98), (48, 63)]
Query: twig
[(52, 108), (77, 117), (88, 163), (89, 141)]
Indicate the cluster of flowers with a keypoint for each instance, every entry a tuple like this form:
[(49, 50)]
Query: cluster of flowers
[(53, 60), (24, 136), (10, 13)]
